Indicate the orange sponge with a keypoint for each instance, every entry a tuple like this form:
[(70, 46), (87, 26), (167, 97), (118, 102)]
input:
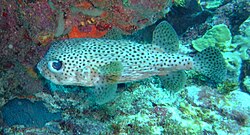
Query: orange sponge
[(94, 33)]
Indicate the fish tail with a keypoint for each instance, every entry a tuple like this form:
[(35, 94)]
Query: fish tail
[(210, 62)]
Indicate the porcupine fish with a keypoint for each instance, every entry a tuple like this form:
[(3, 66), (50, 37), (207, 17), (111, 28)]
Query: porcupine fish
[(103, 63)]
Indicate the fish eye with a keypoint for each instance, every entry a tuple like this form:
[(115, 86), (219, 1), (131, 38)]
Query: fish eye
[(55, 66)]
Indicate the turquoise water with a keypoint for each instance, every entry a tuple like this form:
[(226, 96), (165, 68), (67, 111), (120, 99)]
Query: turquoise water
[(125, 67)]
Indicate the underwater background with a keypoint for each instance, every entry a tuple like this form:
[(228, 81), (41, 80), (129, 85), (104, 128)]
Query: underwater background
[(196, 105)]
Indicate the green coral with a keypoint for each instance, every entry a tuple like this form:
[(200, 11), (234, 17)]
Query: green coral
[(219, 36)]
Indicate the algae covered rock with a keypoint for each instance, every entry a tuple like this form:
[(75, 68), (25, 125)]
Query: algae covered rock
[(242, 41), (212, 4), (219, 36), (247, 83), (233, 61), (243, 44)]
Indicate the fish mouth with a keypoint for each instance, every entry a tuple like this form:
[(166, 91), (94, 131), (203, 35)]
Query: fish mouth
[(39, 68)]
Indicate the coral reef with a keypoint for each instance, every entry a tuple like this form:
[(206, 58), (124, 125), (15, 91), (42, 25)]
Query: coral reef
[(44, 18), (43, 21), (234, 52), (102, 15), (17, 80), (149, 109)]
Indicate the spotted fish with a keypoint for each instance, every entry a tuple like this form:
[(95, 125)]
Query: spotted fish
[(103, 63)]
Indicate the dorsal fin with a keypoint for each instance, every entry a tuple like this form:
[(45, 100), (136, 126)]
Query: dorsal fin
[(114, 34), (165, 36)]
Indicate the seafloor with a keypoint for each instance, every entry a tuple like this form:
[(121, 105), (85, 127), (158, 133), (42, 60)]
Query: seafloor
[(30, 104)]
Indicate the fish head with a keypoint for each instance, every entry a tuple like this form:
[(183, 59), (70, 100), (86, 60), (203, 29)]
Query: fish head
[(52, 67), (62, 66)]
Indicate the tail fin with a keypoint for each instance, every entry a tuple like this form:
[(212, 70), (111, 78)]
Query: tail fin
[(210, 62)]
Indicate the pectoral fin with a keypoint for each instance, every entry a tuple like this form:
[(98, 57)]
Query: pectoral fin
[(103, 93), (105, 88), (111, 72)]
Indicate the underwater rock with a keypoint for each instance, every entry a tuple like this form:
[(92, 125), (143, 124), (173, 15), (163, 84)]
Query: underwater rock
[(247, 83), (188, 15), (24, 112), (242, 41), (241, 101), (211, 4), (243, 44), (232, 14), (244, 27), (83, 126), (233, 62), (11, 86)]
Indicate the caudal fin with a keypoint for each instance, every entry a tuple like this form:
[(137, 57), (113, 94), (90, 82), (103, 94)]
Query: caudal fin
[(210, 62)]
